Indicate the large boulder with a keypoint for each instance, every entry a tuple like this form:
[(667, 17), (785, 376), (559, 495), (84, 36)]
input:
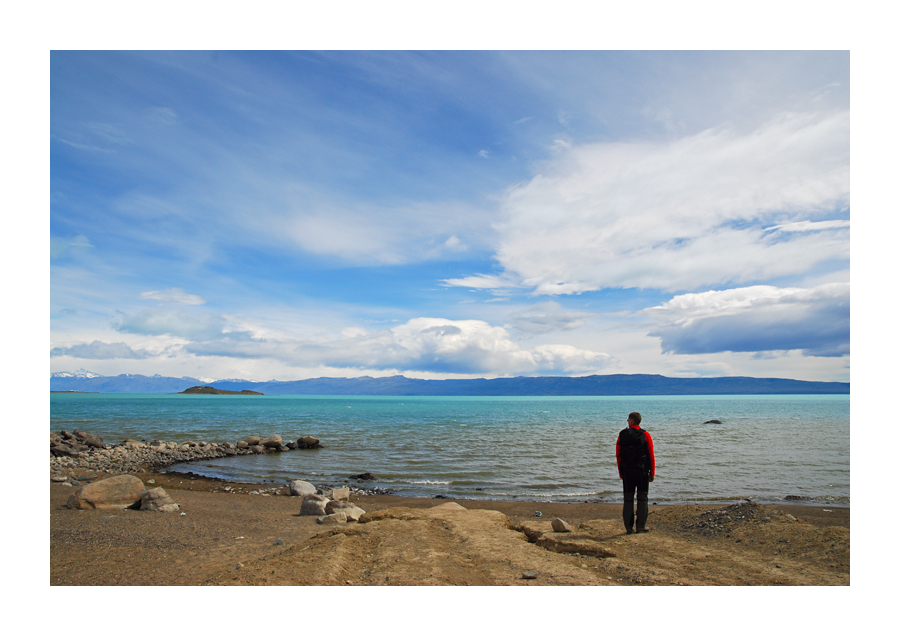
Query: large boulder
[(259, 449), (158, 500), (122, 491), (252, 440), (313, 505), (300, 488), (272, 441)]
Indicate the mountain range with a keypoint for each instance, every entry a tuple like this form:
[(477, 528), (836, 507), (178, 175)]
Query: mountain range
[(614, 384)]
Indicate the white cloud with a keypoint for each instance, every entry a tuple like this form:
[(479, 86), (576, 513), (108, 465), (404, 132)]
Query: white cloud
[(757, 319), (680, 215), (809, 226), (173, 296), (481, 281), (435, 345)]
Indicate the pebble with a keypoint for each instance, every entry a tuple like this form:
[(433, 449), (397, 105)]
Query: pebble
[(278, 542), (529, 574)]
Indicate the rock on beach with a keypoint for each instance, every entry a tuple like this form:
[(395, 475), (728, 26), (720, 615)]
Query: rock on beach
[(158, 500), (351, 511), (300, 488), (122, 491), (313, 505)]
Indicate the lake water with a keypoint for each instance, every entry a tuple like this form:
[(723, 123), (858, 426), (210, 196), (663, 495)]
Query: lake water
[(530, 448)]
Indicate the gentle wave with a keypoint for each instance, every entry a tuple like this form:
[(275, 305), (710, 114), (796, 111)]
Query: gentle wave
[(540, 448)]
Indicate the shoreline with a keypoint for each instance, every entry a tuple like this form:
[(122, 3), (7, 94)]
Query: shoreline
[(235, 537), (798, 503), (80, 455)]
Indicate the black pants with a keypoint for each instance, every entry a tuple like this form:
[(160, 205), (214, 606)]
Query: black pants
[(631, 482)]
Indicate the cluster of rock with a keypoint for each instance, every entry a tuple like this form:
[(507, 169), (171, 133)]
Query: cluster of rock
[(328, 506), (719, 521), (119, 492), (79, 450)]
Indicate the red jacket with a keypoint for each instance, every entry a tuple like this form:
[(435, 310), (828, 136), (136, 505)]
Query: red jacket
[(649, 448)]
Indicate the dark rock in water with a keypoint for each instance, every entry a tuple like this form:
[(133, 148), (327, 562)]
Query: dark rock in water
[(713, 422), (440, 496), (272, 441), (308, 441), (365, 476), (796, 498)]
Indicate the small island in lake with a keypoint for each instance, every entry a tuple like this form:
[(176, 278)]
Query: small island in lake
[(209, 390)]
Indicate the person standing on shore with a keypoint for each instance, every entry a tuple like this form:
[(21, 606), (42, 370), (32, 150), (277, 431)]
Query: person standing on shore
[(637, 468)]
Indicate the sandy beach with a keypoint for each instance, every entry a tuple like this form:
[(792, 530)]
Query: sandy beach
[(231, 537)]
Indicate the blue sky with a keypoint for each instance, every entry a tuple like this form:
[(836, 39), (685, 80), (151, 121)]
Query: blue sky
[(284, 215)]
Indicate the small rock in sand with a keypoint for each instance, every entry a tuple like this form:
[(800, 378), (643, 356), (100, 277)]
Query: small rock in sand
[(559, 525)]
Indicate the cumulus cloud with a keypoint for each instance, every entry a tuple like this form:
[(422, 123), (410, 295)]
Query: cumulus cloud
[(704, 210), (757, 319), (173, 296), (97, 350), (422, 344)]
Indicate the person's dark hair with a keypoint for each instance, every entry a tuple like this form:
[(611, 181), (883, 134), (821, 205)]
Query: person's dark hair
[(635, 416)]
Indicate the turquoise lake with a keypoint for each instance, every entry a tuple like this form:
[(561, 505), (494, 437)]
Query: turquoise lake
[(767, 447)]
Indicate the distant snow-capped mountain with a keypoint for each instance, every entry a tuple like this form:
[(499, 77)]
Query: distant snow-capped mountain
[(80, 373)]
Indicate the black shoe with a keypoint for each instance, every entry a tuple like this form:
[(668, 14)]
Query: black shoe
[(629, 531), (642, 530)]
